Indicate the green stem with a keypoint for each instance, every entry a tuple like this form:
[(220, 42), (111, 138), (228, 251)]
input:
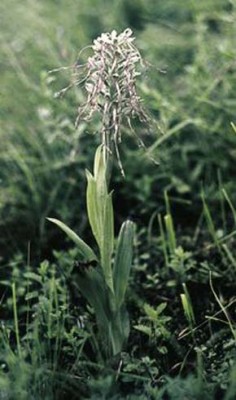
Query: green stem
[(109, 152), (16, 320)]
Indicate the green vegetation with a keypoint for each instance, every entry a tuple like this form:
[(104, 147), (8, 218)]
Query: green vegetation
[(143, 307)]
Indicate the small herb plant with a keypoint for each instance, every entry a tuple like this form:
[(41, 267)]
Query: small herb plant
[(109, 77)]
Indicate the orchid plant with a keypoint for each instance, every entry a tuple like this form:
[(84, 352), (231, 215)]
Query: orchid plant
[(109, 78)]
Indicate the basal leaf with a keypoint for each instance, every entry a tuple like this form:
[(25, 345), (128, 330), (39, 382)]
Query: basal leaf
[(123, 261), (92, 286), (84, 249)]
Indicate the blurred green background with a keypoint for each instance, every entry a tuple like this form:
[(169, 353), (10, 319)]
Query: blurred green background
[(189, 90)]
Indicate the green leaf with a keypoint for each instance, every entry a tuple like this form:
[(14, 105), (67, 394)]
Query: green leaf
[(150, 312), (144, 329), (93, 208), (84, 249), (100, 214), (99, 168), (32, 295), (161, 308), (107, 244), (33, 276), (123, 261), (119, 330), (92, 286)]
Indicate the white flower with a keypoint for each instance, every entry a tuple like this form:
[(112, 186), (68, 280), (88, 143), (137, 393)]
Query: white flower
[(110, 82)]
